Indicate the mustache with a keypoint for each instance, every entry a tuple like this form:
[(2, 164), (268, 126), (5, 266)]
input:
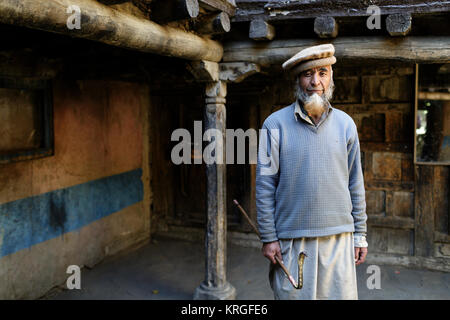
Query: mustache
[(301, 95)]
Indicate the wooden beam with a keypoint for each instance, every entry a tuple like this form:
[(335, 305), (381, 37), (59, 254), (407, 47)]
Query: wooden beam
[(237, 71), (111, 2), (434, 96), (325, 27), (213, 24), (390, 222), (104, 24), (131, 8), (398, 24), (306, 9), (229, 7), (436, 264), (261, 30), (389, 185), (143, 5), (163, 11), (204, 70), (427, 49), (186, 9)]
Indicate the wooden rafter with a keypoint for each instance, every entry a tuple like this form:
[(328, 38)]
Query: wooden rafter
[(283, 10), (219, 5)]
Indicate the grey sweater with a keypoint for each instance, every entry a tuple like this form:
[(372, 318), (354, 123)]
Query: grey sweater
[(317, 187)]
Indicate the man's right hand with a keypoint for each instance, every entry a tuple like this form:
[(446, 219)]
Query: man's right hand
[(272, 249)]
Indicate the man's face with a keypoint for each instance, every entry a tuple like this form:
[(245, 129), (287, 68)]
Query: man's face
[(315, 80)]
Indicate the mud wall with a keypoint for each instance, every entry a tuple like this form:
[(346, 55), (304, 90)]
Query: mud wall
[(87, 201)]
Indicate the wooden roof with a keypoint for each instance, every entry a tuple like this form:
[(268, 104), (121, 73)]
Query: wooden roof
[(284, 10)]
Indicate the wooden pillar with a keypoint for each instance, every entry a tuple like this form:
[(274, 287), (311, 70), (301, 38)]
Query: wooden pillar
[(237, 72), (215, 285)]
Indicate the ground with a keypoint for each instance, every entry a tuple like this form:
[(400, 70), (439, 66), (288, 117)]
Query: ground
[(172, 269)]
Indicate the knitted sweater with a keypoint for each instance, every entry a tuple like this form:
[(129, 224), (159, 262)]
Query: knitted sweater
[(317, 187)]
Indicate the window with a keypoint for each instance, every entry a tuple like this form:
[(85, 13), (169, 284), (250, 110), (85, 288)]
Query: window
[(432, 134), (26, 116)]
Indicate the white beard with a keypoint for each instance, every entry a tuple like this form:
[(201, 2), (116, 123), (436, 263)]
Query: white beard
[(314, 104)]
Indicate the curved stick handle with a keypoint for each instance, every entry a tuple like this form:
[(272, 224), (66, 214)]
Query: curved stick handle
[(291, 279)]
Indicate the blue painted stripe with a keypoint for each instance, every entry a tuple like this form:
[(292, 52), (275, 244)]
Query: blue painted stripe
[(32, 220)]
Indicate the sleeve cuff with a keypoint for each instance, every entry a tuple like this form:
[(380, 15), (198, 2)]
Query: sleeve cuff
[(270, 237), (360, 241)]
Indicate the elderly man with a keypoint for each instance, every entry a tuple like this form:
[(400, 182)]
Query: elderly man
[(315, 201)]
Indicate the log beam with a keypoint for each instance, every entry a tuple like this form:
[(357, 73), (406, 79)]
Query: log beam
[(104, 24), (325, 27), (163, 11), (409, 49), (398, 24), (261, 30), (227, 6), (213, 24), (130, 8)]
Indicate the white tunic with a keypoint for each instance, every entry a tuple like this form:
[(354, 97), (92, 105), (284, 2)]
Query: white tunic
[(329, 270)]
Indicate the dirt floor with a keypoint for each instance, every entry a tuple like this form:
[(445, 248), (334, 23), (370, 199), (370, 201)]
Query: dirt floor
[(172, 269)]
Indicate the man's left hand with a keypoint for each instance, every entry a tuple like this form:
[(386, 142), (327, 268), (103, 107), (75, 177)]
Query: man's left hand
[(360, 255)]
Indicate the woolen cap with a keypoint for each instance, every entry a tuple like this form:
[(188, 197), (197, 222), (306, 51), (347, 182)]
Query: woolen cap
[(312, 57)]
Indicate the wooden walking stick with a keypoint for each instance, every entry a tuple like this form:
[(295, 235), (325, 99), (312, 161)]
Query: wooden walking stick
[(301, 257)]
